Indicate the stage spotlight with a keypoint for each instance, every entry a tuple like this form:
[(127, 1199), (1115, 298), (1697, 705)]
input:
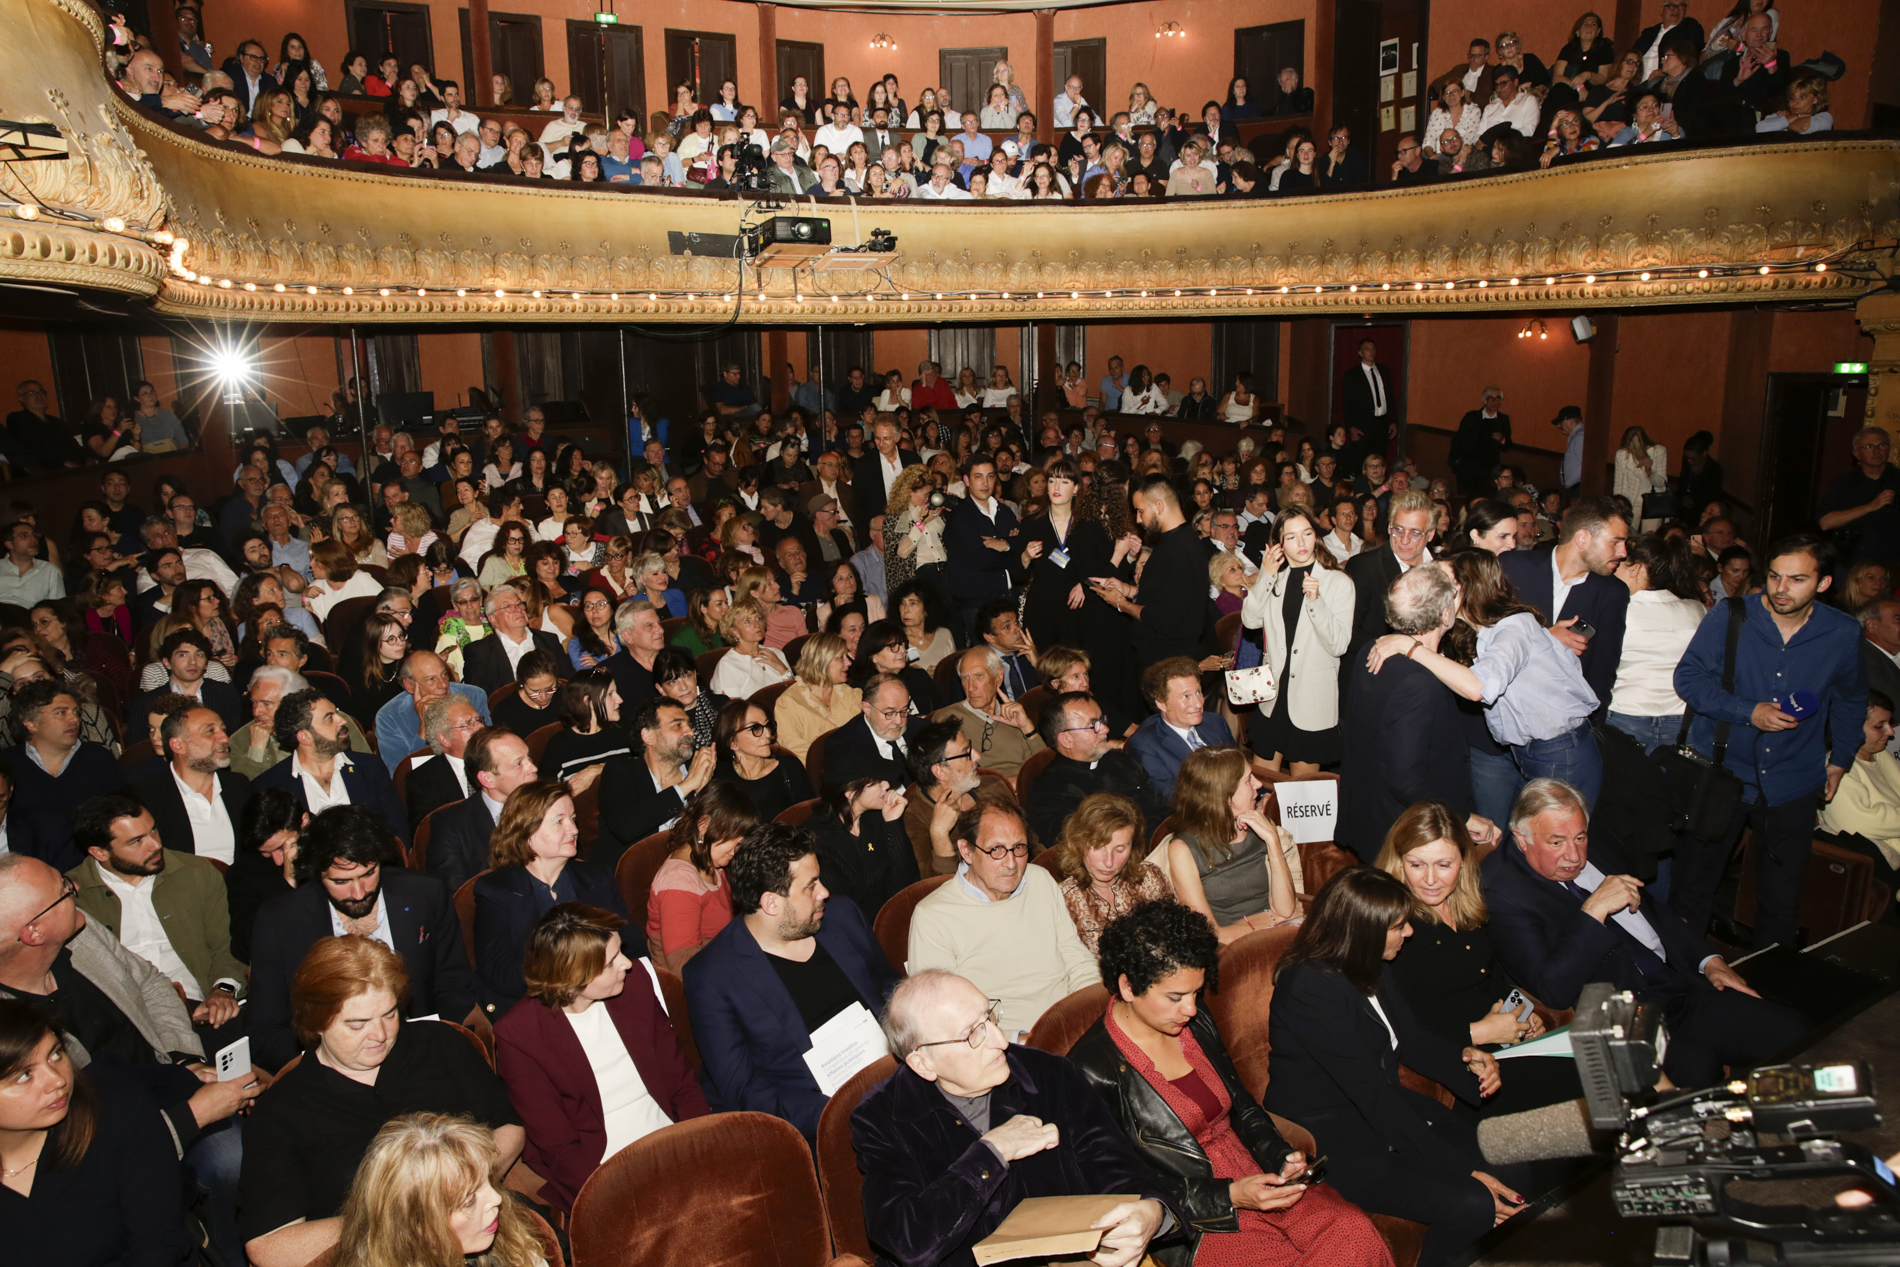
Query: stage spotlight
[(230, 365)]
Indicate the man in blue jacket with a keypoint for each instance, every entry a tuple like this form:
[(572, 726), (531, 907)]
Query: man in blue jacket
[(789, 963), (980, 538), (1574, 580), (1798, 682), (1179, 725)]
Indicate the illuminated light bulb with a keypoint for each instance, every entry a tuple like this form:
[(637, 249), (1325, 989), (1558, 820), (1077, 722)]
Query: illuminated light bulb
[(906, 295), (225, 283), (250, 285), (652, 298), (726, 298), (162, 238), (1418, 285), (1482, 284), (1589, 279), (384, 292), (1550, 281), (1177, 294), (691, 298), (1702, 272), (114, 224), (1764, 270), (461, 292), (1039, 294), (577, 294), (536, 294), (1514, 281), (1283, 289), (1250, 290), (834, 298), (1386, 286), (1074, 294), (1820, 268), (26, 212), (615, 298), (309, 290), (1211, 292), (940, 296), (1006, 294), (279, 288), (1451, 285), (349, 290), (797, 299), (1144, 294), (499, 294), (1643, 276), (420, 292), (1353, 289), (1543, 334)]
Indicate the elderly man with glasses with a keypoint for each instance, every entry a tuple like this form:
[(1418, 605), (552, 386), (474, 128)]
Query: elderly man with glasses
[(1864, 497), (1001, 922), (938, 1140), (1072, 723)]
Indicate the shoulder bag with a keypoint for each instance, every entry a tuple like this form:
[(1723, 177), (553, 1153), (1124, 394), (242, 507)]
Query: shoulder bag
[(1705, 792)]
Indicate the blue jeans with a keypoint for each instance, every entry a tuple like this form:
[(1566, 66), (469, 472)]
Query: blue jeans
[(1494, 784), (1651, 732), (213, 1163), (1572, 757)]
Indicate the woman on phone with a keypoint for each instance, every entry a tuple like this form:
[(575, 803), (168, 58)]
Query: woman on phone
[(1302, 603)]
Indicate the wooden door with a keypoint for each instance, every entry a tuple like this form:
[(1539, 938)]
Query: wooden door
[(377, 26), (606, 68), (514, 50), (1088, 59), (967, 73), (703, 59), (1261, 52), (795, 58), (1391, 340), (1356, 32)]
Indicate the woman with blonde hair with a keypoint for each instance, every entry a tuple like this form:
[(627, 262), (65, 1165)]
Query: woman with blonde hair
[(1641, 468), (782, 622), (740, 535), (751, 665), (1105, 872), (1141, 105), (425, 1193), (1228, 576), (615, 573), (1224, 858), (913, 530), (273, 117), (544, 96), (819, 700)]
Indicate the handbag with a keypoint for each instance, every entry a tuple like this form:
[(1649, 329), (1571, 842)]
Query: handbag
[(1254, 685), (1704, 790), (1659, 506)]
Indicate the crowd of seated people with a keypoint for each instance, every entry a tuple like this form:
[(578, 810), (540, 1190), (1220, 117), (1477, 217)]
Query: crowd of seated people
[(1503, 108), (425, 809)]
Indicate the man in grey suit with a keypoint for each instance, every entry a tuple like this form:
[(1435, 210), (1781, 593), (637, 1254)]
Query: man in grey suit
[(1880, 644)]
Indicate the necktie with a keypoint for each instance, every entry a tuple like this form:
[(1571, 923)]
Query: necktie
[(1378, 392), (1194, 741)]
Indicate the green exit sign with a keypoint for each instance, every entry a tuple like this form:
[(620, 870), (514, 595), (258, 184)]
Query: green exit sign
[(1850, 367), (607, 19)]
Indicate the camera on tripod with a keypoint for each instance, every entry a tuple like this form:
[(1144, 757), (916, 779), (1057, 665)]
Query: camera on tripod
[(750, 173), (1678, 1153)]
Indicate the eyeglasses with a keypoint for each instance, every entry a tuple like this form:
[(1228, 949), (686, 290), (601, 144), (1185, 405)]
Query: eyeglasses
[(1095, 724), (1407, 534), (978, 1032), (66, 889), (758, 730)]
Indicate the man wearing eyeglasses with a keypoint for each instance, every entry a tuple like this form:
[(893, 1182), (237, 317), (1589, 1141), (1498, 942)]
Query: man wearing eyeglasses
[(249, 76), (1001, 922), (1373, 571), (1864, 497), (1676, 24), (939, 1139), (1072, 724), (1003, 734), (878, 742), (489, 663), (793, 960)]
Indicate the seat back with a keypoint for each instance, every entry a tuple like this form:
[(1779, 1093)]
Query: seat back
[(1027, 776), (673, 994), (1032, 701), (1047, 861), (587, 818), (1057, 1029), (672, 625), (795, 815), (766, 697), (738, 1189), (1227, 631), (538, 741), (892, 926), (707, 663), (1320, 860), (815, 759), (465, 913), (1242, 1006), (838, 1175), (399, 778), (506, 691), (1001, 782), (633, 876), (334, 688), (944, 680), (344, 617), (418, 854), (1839, 889), (793, 649)]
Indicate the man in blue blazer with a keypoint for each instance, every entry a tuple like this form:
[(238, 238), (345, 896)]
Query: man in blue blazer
[(790, 962), (350, 880), (310, 728), (1179, 725), (1592, 540), (1565, 912)]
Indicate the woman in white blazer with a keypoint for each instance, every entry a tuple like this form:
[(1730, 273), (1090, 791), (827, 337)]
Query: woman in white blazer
[(1303, 601), (1641, 467)]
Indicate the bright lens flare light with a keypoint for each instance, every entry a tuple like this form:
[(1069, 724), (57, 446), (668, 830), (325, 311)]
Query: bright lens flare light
[(230, 366)]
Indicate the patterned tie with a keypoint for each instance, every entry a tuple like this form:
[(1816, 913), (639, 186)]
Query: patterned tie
[(1194, 741)]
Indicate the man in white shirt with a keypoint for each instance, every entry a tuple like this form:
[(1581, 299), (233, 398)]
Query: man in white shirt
[(493, 151), (941, 188), (1512, 105), (451, 113), (1068, 101), (496, 760), (555, 135), (448, 723), (197, 800), (165, 906), (840, 134), (489, 663), (200, 564), (24, 579), (976, 146)]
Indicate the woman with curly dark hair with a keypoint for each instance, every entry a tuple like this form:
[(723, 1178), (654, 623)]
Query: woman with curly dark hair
[(1157, 1060), (59, 624)]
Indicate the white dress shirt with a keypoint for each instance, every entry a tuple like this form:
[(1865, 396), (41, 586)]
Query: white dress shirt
[(320, 797), (212, 833), (1560, 588), (1520, 114), (142, 932), (339, 928), (1375, 381), (464, 120), (884, 747), (1635, 923), (515, 650)]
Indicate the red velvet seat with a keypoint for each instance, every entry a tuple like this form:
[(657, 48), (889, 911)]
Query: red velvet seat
[(1067, 1019), (633, 876), (892, 926), (465, 914), (795, 815), (838, 1175)]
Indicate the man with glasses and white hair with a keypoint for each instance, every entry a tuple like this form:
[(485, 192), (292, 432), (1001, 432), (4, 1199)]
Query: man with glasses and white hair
[(1373, 571), (1565, 911), (1001, 922), (876, 744), (937, 1141), (489, 663), (1072, 723), (1864, 497), (1003, 734)]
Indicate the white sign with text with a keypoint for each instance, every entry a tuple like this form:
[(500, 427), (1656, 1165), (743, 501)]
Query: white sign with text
[(1309, 809)]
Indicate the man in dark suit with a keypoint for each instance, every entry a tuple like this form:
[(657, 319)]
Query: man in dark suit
[(447, 725), (1593, 539), (1483, 435), (250, 78), (497, 762), (980, 538), (1072, 724), (761, 986), (1880, 644), (1170, 605), (649, 789), (873, 474), (715, 480), (1401, 725), (1371, 408), (642, 638), (1180, 724), (185, 653), (310, 728), (1409, 533), (489, 663), (350, 879), (1676, 24), (1566, 912), (877, 742), (201, 761)]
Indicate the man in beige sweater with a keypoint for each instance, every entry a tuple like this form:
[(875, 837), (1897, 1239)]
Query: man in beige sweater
[(1001, 732), (1001, 922)]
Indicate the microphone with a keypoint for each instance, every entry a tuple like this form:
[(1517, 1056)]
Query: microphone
[(1554, 1131)]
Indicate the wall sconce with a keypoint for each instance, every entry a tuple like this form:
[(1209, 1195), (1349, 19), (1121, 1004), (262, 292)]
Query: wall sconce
[(1533, 329), (883, 41), (1170, 29)]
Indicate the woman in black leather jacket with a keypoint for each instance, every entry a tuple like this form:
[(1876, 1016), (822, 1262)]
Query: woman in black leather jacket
[(1160, 1065)]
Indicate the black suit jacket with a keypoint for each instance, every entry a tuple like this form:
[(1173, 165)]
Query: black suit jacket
[(422, 924), (1882, 674), (159, 794), (221, 698), (506, 913), (1474, 453), (1357, 394), (1687, 29), (1602, 601), (1372, 573), (430, 786), (1064, 783), (867, 485), (631, 808), (458, 841), (1396, 723), (485, 661), (851, 752), (364, 778), (1547, 944)]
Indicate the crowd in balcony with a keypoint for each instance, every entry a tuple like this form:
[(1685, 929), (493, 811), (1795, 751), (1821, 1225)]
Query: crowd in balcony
[(1501, 109)]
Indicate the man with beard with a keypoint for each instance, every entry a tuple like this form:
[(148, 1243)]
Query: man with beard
[(775, 974), (652, 786), (321, 771), (1170, 605), (946, 776), (350, 880), (197, 803), (1573, 581)]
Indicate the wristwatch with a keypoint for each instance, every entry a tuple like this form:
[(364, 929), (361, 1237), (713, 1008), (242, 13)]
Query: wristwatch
[(227, 987)]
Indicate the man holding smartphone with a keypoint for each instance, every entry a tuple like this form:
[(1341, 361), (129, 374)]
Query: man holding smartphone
[(1573, 582)]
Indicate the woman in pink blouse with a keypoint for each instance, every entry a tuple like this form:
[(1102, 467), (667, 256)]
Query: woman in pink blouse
[(691, 900), (1104, 875)]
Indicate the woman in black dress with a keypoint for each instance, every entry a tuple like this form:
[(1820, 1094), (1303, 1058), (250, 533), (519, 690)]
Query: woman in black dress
[(1449, 973), (775, 780), (1061, 550), (1299, 612)]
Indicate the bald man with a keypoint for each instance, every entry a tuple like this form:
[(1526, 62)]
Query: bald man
[(425, 677)]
